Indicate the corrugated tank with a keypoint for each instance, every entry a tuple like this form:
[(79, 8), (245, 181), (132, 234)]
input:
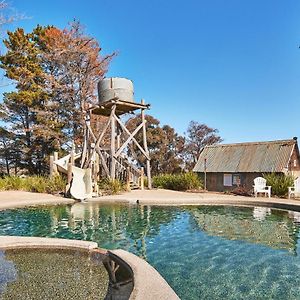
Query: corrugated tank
[(115, 88)]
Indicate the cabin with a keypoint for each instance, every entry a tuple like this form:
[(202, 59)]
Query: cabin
[(226, 166)]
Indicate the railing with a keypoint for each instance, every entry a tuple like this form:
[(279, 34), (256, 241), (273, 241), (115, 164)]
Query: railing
[(126, 172)]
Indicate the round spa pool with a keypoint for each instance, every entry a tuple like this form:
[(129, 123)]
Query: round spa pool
[(204, 252), (51, 274), (61, 273)]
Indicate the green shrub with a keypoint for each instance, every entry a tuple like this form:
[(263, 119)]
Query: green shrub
[(35, 184), (279, 183), (11, 183), (178, 182), (111, 187)]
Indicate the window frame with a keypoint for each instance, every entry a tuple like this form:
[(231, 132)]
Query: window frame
[(234, 181), (226, 179)]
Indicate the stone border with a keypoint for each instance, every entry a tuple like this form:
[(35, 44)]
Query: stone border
[(148, 283), (11, 242)]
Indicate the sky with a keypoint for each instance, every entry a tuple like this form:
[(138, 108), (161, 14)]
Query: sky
[(232, 64)]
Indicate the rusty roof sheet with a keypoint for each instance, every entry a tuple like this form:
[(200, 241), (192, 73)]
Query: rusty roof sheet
[(258, 157)]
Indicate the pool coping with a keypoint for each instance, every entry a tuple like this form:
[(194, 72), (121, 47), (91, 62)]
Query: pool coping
[(155, 283), (13, 242), (148, 283)]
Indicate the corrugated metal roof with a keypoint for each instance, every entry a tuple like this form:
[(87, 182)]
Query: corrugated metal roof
[(258, 157)]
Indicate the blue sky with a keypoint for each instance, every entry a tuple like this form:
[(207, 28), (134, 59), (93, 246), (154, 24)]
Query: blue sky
[(232, 64)]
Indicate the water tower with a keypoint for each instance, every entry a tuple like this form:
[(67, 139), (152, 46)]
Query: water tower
[(106, 151)]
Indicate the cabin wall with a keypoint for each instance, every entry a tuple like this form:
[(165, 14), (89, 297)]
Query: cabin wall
[(215, 181)]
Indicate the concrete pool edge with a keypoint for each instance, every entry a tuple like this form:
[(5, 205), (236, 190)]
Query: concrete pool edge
[(145, 277), (13, 242)]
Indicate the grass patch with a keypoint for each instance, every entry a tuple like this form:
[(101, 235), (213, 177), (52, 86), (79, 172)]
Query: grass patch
[(178, 182), (111, 187), (35, 184)]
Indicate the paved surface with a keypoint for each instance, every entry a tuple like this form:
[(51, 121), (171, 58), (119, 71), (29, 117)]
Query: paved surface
[(11, 199), (167, 197)]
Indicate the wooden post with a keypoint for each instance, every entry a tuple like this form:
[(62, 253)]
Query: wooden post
[(69, 177), (146, 147), (142, 178), (118, 138), (113, 145), (127, 179), (204, 174), (55, 158), (51, 166), (73, 155), (84, 155), (96, 172), (118, 143)]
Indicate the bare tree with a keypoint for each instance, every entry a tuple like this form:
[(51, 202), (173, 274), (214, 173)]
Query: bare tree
[(74, 66), (197, 137)]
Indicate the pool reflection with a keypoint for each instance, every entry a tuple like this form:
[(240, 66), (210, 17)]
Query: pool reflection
[(132, 227)]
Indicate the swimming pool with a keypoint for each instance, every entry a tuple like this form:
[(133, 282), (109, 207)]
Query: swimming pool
[(51, 274), (204, 252)]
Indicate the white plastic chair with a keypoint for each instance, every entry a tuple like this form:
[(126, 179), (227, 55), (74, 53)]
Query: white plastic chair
[(293, 190), (260, 186)]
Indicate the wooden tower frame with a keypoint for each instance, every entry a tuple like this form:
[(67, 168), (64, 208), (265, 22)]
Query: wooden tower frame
[(113, 163)]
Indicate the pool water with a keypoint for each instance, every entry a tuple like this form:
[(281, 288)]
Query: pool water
[(51, 274), (204, 252)]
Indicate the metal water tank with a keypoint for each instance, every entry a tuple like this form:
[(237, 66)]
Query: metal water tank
[(115, 88)]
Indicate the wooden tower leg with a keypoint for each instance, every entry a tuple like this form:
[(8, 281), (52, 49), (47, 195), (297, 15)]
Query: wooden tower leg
[(55, 158), (142, 178), (113, 144), (51, 166), (146, 147)]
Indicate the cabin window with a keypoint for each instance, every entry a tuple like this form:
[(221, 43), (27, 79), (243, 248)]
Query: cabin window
[(227, 180), (236, 179)]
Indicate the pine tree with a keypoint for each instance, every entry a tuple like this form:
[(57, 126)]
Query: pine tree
[(22, 64)]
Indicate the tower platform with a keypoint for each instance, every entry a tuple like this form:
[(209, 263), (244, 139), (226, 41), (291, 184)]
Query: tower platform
[(122, 107)]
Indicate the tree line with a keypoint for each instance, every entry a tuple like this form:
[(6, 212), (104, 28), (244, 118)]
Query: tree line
[(171, 152), (55, 74)]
